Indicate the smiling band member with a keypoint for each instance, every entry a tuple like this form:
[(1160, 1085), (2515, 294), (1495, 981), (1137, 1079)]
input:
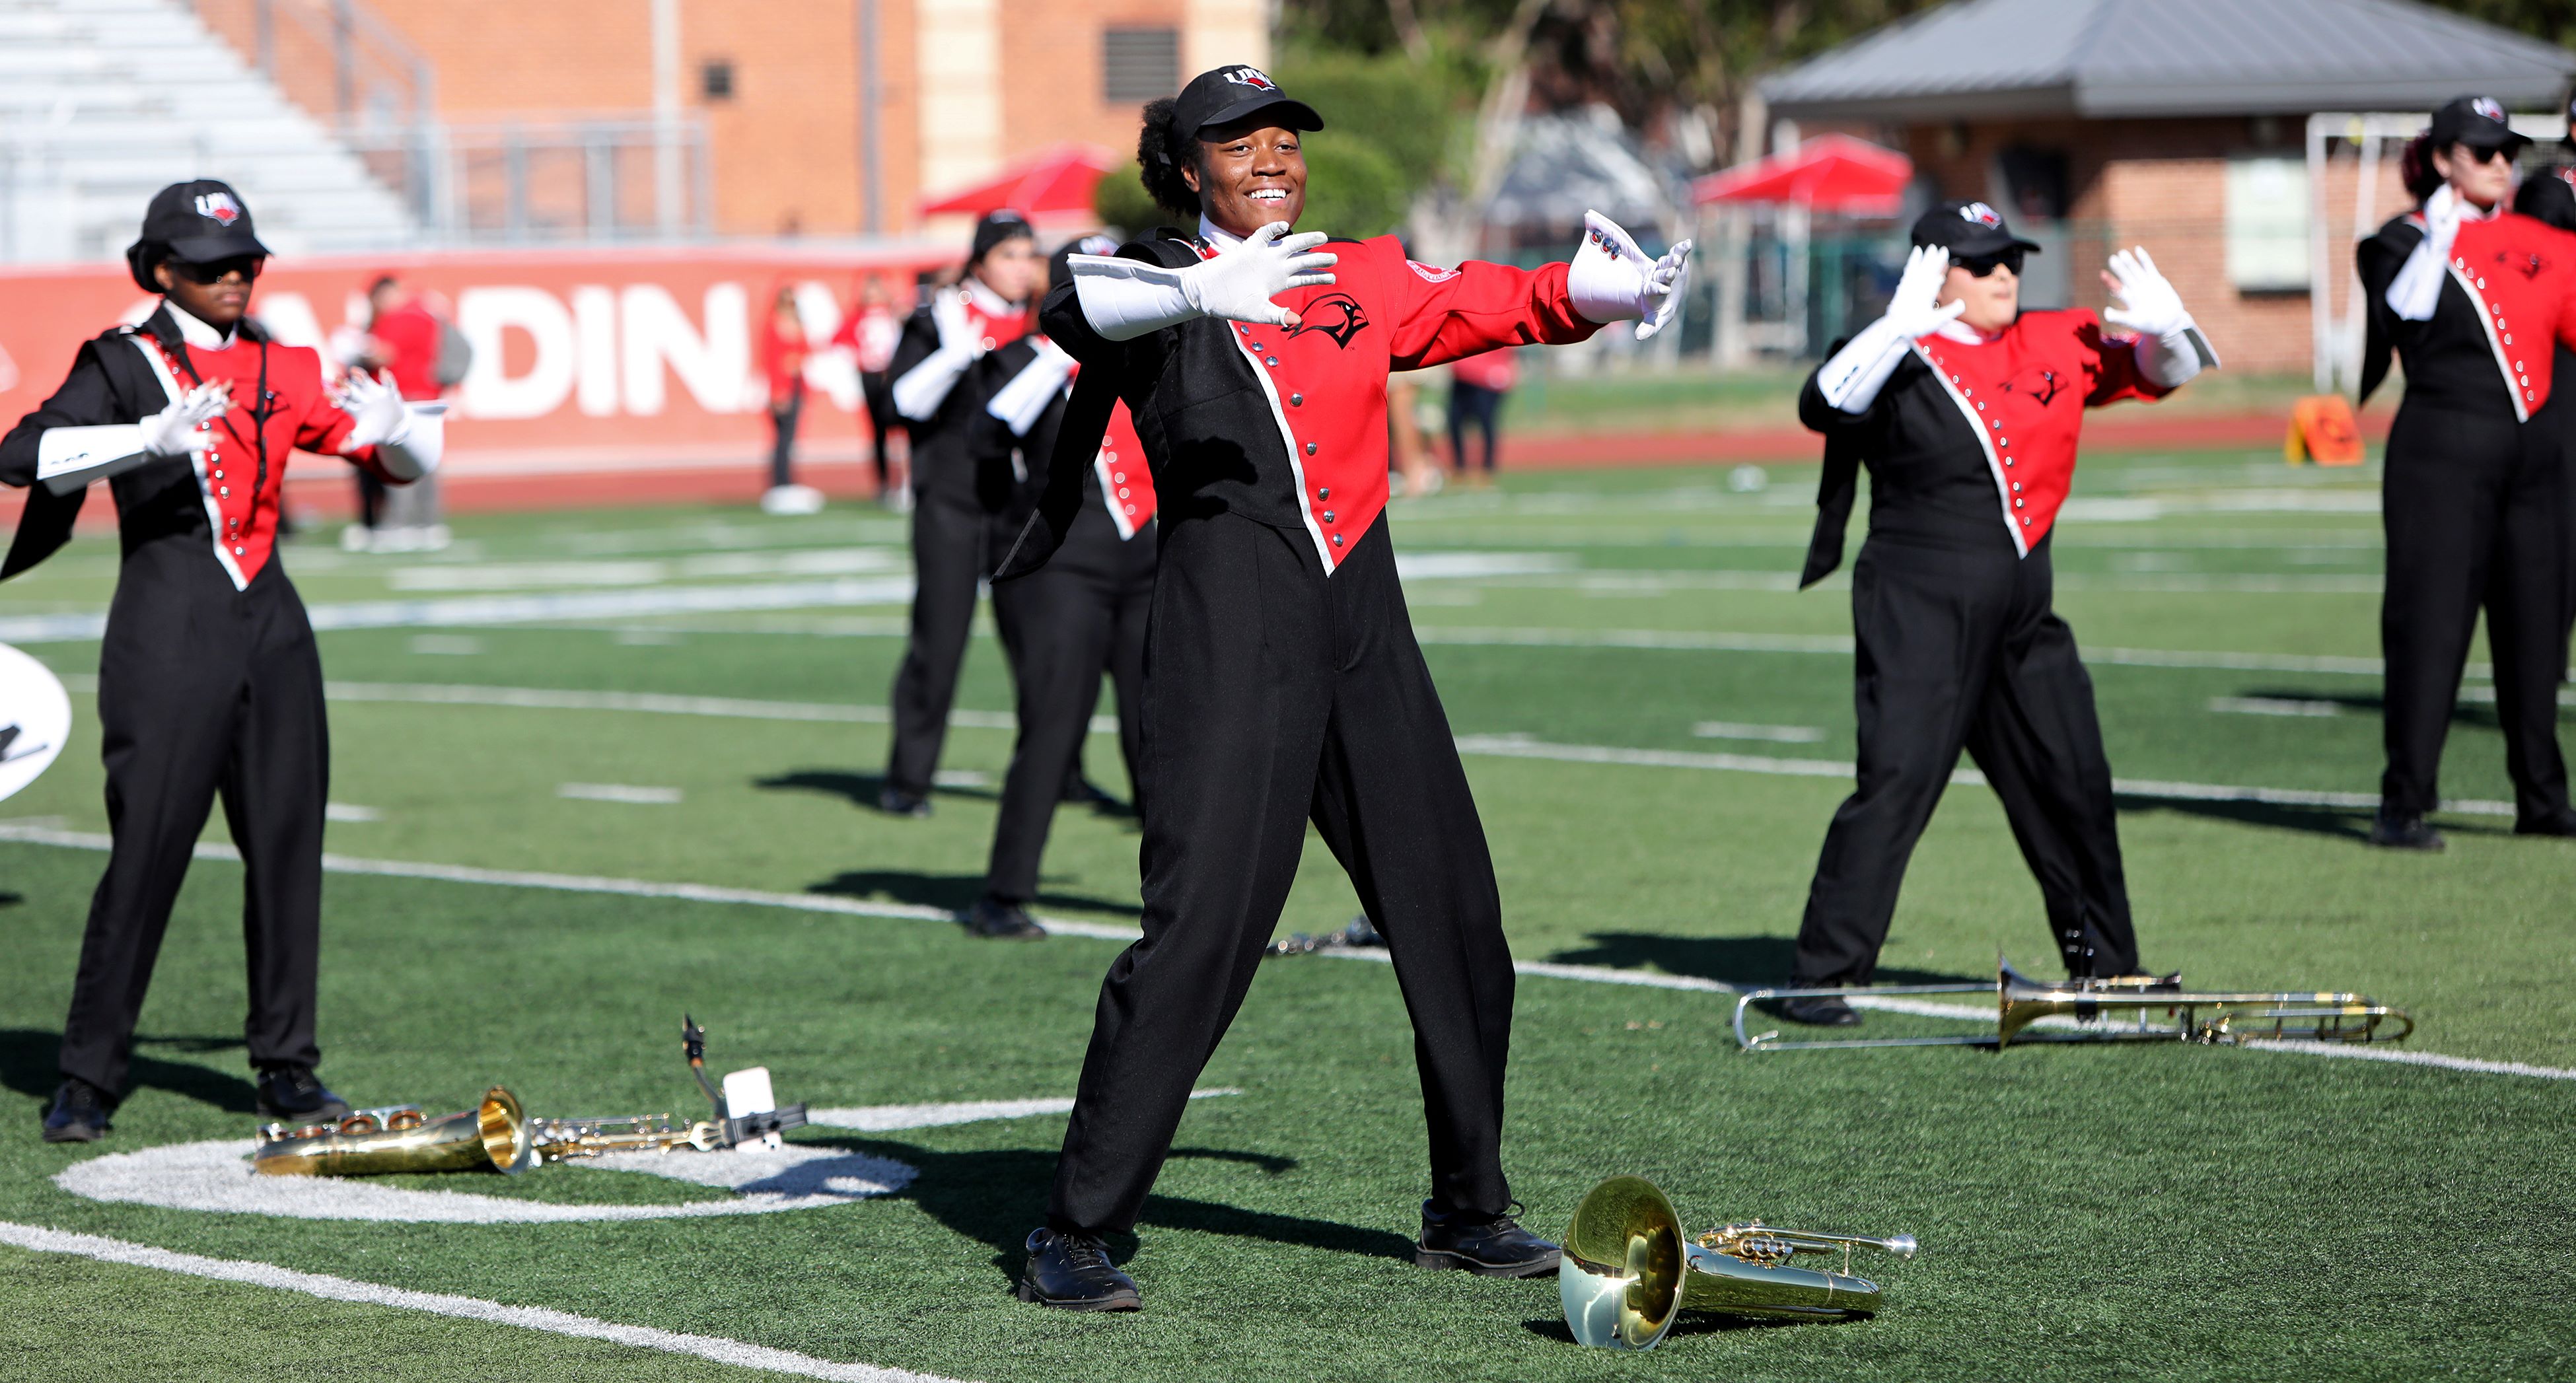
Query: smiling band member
[(208, 681), (1966, 410), (1282, 681)]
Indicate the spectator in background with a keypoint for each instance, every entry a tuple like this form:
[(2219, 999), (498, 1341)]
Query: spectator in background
[(1477, 385), (404, 338), (783, 349), (869, 335)]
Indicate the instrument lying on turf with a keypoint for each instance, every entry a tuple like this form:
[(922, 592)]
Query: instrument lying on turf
[(1628, 1273), (497, 1135), (2209, 1018)]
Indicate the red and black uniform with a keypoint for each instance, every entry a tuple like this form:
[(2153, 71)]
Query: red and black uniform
[(1283, 685), (1970, 447), (208, 684), (962, 487), (1065, 624), (2551, 199), (2473, 505)]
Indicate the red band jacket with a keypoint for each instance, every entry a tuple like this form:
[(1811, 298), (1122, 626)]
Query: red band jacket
[(2508, 297), (1287, 426), (1969, 437), (225, 499)]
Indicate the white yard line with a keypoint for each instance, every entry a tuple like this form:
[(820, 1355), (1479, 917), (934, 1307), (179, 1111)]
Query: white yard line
[(714, 1348), (806, 902), (526, 609)]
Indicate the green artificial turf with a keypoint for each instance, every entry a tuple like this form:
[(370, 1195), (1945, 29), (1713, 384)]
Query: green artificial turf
[(2155, 1212)]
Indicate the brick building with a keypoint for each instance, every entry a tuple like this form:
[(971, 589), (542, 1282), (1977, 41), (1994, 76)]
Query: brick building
[(824, 117), (2179, 124)]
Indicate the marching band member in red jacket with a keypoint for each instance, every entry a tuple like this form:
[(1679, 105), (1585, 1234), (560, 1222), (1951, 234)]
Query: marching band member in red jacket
[(2477, 299), (1283, 683), (208, 682), (1966, 410)]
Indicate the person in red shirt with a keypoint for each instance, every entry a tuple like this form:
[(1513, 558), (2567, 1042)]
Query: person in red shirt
[(1967, 409), (1283, 684), (2477, 299), (869, 334), (208, 682), (1477, 385), (402, 341), (783, 350)]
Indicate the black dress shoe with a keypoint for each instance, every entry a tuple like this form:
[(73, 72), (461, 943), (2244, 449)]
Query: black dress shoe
[(2396, 830), (1486, 1245), (898, 802), (79, 1113), (1072, 1272), (1002, 921), (1823, 1011), (292, 1092), (2559, 823)]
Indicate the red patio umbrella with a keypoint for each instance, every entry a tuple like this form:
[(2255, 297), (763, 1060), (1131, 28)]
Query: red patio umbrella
[(1055, 181), (1832, 173)]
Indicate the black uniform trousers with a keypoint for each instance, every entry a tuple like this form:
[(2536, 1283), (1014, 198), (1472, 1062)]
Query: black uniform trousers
[(205, 691), (2558, 417), (955, 541), (1066, 623), (1960, 649), (2474, 517), (1275, 696)]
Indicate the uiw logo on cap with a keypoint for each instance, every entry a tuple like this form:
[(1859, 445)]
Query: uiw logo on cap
[(2489, 107), (1980, 213), (1251, 77), (218, 207)]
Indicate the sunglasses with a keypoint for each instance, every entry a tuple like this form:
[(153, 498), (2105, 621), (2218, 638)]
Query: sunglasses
[(1979, 266), (2478, 155), (216, 271)]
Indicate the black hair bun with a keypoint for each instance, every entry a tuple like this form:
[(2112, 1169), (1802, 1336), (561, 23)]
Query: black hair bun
[(1162, 150)]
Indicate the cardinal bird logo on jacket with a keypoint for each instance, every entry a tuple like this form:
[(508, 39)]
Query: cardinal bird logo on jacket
[(2037, 385), (2527, 265), (1337, 315)]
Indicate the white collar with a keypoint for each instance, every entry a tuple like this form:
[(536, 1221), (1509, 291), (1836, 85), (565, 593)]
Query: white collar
[(198, 334), (984, 299), (1217, 237), (1961, 332)]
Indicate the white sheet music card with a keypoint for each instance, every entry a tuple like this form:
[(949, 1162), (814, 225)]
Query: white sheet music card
[(747, 1092)]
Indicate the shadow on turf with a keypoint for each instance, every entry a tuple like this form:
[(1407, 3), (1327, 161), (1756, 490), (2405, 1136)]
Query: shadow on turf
[(1691, 1323), (2342, 823), (27, 1065), (997, 1196), (859, 789), (2478, 713), (954, 892), (1742, 960)]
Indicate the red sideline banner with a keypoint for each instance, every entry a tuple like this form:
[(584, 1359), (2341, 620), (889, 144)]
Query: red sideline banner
[(584, 360)]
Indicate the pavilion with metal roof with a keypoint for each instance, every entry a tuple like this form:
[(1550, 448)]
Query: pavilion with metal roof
[(2108, 59)]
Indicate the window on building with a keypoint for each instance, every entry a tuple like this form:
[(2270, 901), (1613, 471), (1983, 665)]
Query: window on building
[(2267, 225), (1139, 64), (715, 80)]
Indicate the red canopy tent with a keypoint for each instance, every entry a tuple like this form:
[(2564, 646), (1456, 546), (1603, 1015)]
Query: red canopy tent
[(1053, 182), (1833, 173)]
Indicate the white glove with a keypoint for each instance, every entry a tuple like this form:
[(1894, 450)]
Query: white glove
[(2417, 289), (1020, 403), (948, 314), (1851, 380), (1611, 280), (2170, 348), (1125, 298), (920, 391), (409, 438), (174, 431)]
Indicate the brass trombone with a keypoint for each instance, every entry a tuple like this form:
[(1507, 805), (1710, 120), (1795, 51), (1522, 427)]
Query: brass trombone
[(1628, 1273), (2209, 1018)]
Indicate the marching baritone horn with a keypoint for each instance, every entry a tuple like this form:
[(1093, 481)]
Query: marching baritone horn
[(1628, 1272), (2211, 1018)]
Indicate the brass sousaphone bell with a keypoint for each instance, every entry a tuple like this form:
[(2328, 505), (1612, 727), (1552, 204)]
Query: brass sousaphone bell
[(1629, 1272)]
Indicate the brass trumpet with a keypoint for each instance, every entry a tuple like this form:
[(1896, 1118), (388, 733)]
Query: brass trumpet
[(2211, 1018), (1628, 1273)]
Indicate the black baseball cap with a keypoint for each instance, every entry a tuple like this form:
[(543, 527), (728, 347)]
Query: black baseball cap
[(1229, 95), (197, 222), (1968, 230), (2477, 121), (996, 227)]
